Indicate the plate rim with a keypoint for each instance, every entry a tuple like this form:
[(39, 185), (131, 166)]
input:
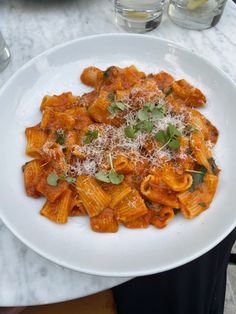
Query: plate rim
[(89, 271)]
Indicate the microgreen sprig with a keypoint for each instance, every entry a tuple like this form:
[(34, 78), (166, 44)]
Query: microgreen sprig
[(144, 126), (151, 110), (168, 137), (60, 136), (90, 136), (116, 106), (112, 176), (53, 179), (130, 131)]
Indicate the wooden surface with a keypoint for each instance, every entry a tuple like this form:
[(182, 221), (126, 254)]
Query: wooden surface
[(100, 303)]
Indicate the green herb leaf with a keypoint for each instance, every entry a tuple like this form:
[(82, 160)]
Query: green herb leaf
[(130, 131), (102, 177), (147, 126), (90, 136), (115, 178), (52, 179), (71, 180), (202, 204), (60, 136), (162, 108), (190, 129), (111, 96), (138, 126), (151, 110), (111, 177), (116, 106), (142, 115), (120, 105), (62, 177), (60, 140), (161, 136), (173, 132), (174, 144), (157, 113), (112, 108), (213, 165), (197, 178), (169, 137), (149, 107)]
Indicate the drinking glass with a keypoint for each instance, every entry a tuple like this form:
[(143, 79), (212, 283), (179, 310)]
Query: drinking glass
[(139, 16), (4, 53), (196, 14)]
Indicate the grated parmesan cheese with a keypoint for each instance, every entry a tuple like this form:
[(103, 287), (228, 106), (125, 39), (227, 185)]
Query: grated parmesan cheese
[(93, 157), (112, 139)]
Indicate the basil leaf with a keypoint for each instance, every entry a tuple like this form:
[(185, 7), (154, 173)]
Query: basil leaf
[(197, 178), (52, 179), (202, 204), (102, 177), (213, 165)]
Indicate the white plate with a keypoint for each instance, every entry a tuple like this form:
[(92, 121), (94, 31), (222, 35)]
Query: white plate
[(128, 252)]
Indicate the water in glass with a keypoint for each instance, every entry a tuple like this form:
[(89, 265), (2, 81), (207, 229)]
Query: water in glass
[(139, 15), (4, 53), (196, 14)]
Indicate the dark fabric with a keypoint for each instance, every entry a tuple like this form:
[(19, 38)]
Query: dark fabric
[(194, 288), (232, 259)]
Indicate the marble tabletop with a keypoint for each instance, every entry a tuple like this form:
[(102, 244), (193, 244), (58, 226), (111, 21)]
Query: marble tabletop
[(30, 27)]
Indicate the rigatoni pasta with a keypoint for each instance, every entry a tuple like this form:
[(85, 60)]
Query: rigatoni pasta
[(134, 151)]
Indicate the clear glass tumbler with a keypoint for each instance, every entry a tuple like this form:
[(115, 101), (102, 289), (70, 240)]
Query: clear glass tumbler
[(196, 14), (139, 16), (4, 53)]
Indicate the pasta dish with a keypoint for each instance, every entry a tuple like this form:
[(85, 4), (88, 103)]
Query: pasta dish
[(134, 151)]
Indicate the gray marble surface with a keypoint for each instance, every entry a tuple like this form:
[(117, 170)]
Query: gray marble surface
[(30, 27)]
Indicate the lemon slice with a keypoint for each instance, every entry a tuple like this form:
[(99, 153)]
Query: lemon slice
[(194, 4), (137, 15)]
